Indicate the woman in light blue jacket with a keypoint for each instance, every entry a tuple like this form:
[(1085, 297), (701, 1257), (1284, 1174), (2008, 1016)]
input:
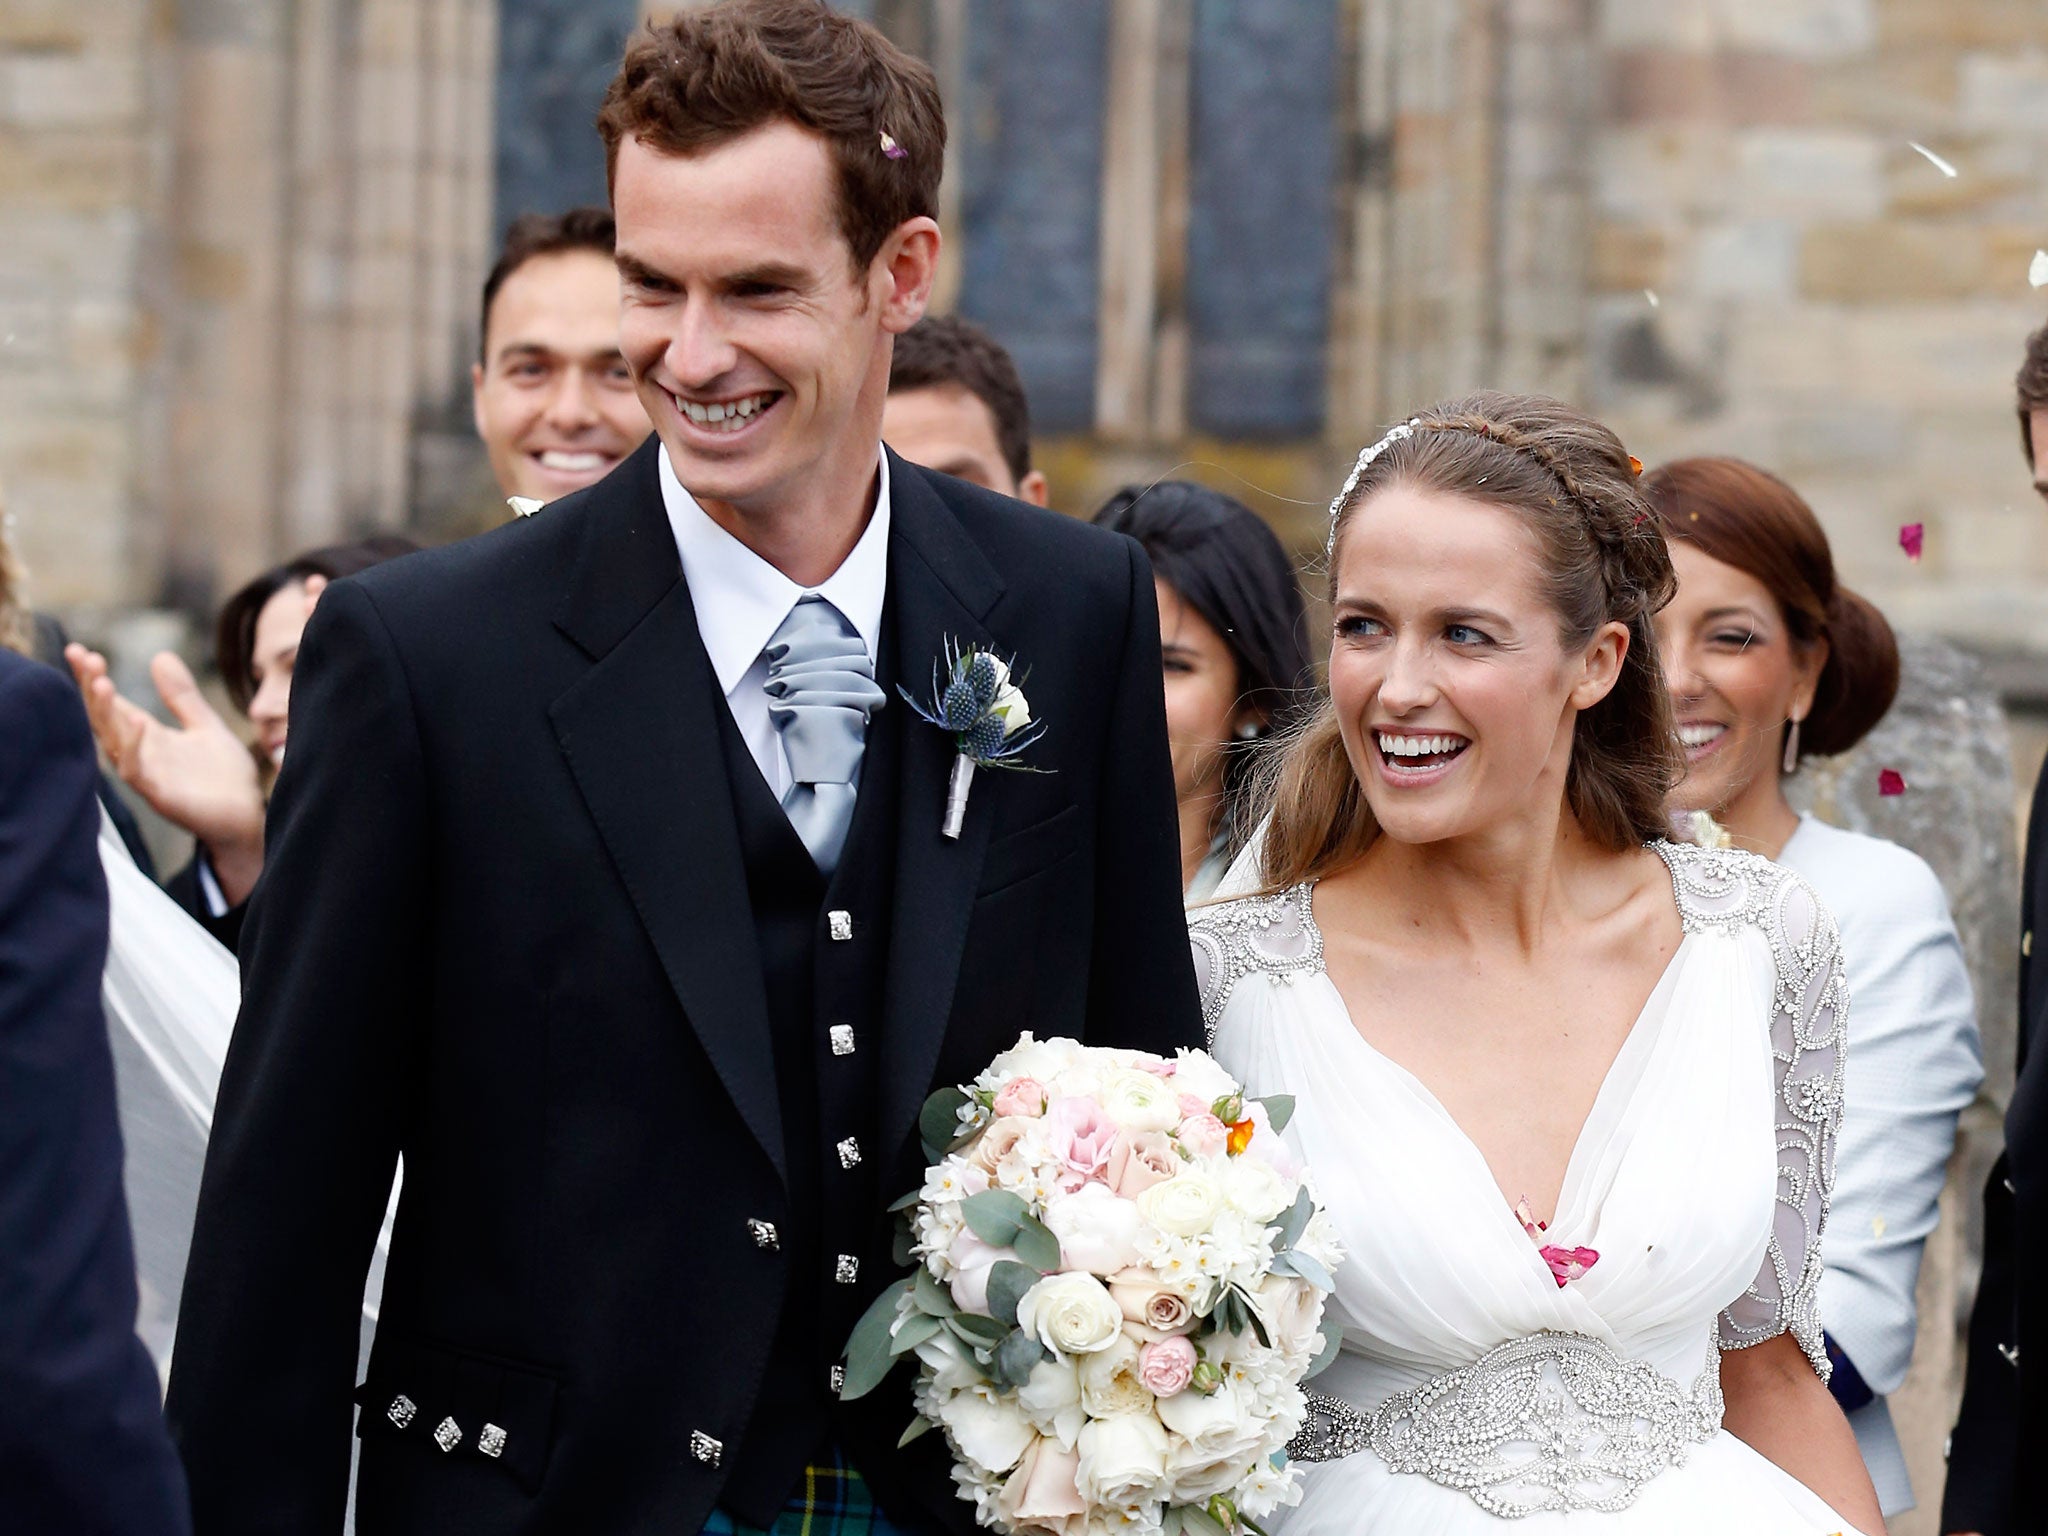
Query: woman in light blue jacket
[(1770, 660)]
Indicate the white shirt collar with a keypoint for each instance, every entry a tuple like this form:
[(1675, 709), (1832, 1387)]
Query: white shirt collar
[(741, 599)]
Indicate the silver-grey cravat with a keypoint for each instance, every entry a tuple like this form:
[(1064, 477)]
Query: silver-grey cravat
[(821, 691)]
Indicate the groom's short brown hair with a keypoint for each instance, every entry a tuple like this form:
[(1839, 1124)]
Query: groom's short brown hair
[(716, 73)]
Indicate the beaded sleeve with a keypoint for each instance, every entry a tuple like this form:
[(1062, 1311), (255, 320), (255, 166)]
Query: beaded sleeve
[(1722, 890), (1273, 935)]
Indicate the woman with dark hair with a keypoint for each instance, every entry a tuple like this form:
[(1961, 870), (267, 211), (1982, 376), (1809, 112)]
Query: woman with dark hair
[(197, 772), (1233, 635), (1770, 660), (1570, 1090)]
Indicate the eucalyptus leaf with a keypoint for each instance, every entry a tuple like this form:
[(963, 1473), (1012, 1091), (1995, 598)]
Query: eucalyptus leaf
[(981, 1330), (1169, 1523), (920, 1426), (1311, 1270), (1333, 1336), (1017, 1355), (903, 1247), (1199, 1522), (1007, 1282), (1251, 1312), (1036, 1245), (1295, 1221), (1279, 1110), (867, 1351), (908, 1202), (995, 1216), (913, 1331), (927, 1295), (938, 1123)]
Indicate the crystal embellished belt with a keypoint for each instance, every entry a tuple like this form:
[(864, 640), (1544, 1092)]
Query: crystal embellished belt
[(1556, 1421)]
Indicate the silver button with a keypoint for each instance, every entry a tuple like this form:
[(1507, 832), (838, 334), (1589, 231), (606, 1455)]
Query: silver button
[(491, 1441), (838, 1377), (849, 1153), (842, 1039), (447, 1434), (846, 1268), (764, 1234), (706, 1449), (839, 925), (401, 1410)]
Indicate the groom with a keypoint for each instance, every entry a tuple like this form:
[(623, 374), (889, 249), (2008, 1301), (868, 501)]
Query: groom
[(608, 886)]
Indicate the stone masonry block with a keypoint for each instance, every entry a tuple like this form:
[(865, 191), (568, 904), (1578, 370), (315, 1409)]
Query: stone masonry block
[(1810, 174), (1757, 258), (1665, 84), (1890, 262), (2005, 93)]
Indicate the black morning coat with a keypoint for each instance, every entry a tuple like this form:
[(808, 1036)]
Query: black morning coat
[(1994, 1467), (505, 930)]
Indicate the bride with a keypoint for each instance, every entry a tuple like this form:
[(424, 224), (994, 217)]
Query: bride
[(1570, 1090)]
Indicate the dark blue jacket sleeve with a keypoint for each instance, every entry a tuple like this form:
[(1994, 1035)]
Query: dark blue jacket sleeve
[(82, 1440)]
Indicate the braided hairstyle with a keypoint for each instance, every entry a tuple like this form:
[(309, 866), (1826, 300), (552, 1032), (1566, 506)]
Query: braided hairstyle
[(1604, 560)]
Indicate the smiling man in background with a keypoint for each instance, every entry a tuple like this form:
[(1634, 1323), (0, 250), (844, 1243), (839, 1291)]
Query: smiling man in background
[(555, 403)]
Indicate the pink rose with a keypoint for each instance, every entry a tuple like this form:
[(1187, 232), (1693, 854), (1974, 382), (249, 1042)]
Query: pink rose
[(1138, 1162), (1190, 1106), (1045, 1490), (1081, 1136), (1157, 1067), (995, 1144), (1167, 1366), (1023, 1096), (1203, 1134)]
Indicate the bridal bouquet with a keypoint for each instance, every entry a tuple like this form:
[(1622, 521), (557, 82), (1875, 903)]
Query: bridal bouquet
[(1120, 1287)]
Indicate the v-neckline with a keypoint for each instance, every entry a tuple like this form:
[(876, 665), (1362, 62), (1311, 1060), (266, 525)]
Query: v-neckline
[(1428, 1096)]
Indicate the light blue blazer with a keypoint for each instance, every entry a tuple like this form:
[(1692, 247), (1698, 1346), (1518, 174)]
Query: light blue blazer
[(1914, 1063)]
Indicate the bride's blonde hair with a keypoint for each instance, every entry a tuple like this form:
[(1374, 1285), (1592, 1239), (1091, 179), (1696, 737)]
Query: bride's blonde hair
[(16, 632), (1604, 559)]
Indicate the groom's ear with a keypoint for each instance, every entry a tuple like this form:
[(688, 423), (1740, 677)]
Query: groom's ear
[(900, 277)]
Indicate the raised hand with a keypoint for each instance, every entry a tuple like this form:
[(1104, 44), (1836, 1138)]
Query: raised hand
[(196, 773)]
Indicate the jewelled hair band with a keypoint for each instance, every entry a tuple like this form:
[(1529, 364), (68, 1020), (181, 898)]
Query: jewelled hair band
[(1365, 457)]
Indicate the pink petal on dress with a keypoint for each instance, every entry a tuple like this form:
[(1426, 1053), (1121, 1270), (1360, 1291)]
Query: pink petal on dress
[(1890, 782), (1568, 1264), (1528, 1219), (891, 148), (1912, 539)]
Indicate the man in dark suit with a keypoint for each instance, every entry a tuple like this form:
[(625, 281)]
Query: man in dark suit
[(82, 1442), (1994, 1454), (608, 884)]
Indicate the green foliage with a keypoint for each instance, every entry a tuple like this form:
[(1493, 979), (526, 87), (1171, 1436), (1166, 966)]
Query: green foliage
[(868, 1354)]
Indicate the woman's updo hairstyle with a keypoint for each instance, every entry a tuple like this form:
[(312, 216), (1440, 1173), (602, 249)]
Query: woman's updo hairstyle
[(1749, 518), (1603, 560)]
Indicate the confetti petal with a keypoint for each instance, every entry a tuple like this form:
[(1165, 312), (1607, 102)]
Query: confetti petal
[(1651, 295), (2037, 270), (896, 151), (1912, 539), (1936, 161), (1890, 782), (524, 506)]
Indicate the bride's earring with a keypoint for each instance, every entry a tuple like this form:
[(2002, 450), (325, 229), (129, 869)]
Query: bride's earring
[(1248, 731), (1792, 747)]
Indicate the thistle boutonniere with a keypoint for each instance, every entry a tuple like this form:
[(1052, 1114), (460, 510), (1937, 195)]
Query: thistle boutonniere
[(982, 706)]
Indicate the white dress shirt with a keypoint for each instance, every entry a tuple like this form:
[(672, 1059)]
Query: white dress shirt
[(1914, 1064), (741, 600)]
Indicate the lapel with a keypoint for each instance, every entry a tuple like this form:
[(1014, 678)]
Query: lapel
[(941, 586), (640, 734)]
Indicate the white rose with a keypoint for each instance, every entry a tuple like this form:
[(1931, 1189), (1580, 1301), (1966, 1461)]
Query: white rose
[(1138, 1101), (1215, 1440), (1071, 1314), (1293, 1313), (1256, 1189), (1123, 1460), (1029, 1057), (1051, 1399), (1196, 1072), (1098, 1232), (1013, 707), (1184, 1206), (1110, 1384), (986, 1430)]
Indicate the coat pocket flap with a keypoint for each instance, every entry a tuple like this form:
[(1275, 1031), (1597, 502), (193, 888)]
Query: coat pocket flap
[(458, 1403)]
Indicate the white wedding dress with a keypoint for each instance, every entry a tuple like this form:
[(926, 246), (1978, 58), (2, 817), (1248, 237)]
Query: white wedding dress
[(1471, 1386)]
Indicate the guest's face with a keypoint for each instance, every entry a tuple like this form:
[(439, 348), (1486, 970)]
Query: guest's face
[(555, 403), (274, 653), (762, 354), (1454, 692), (1736, 676), (1202, 691), (950, 429)]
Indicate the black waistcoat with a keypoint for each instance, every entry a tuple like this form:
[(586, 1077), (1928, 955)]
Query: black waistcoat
[(824, 995)]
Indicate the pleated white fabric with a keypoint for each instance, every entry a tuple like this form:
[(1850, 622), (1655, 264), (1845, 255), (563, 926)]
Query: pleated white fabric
[(1701, 1208)]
